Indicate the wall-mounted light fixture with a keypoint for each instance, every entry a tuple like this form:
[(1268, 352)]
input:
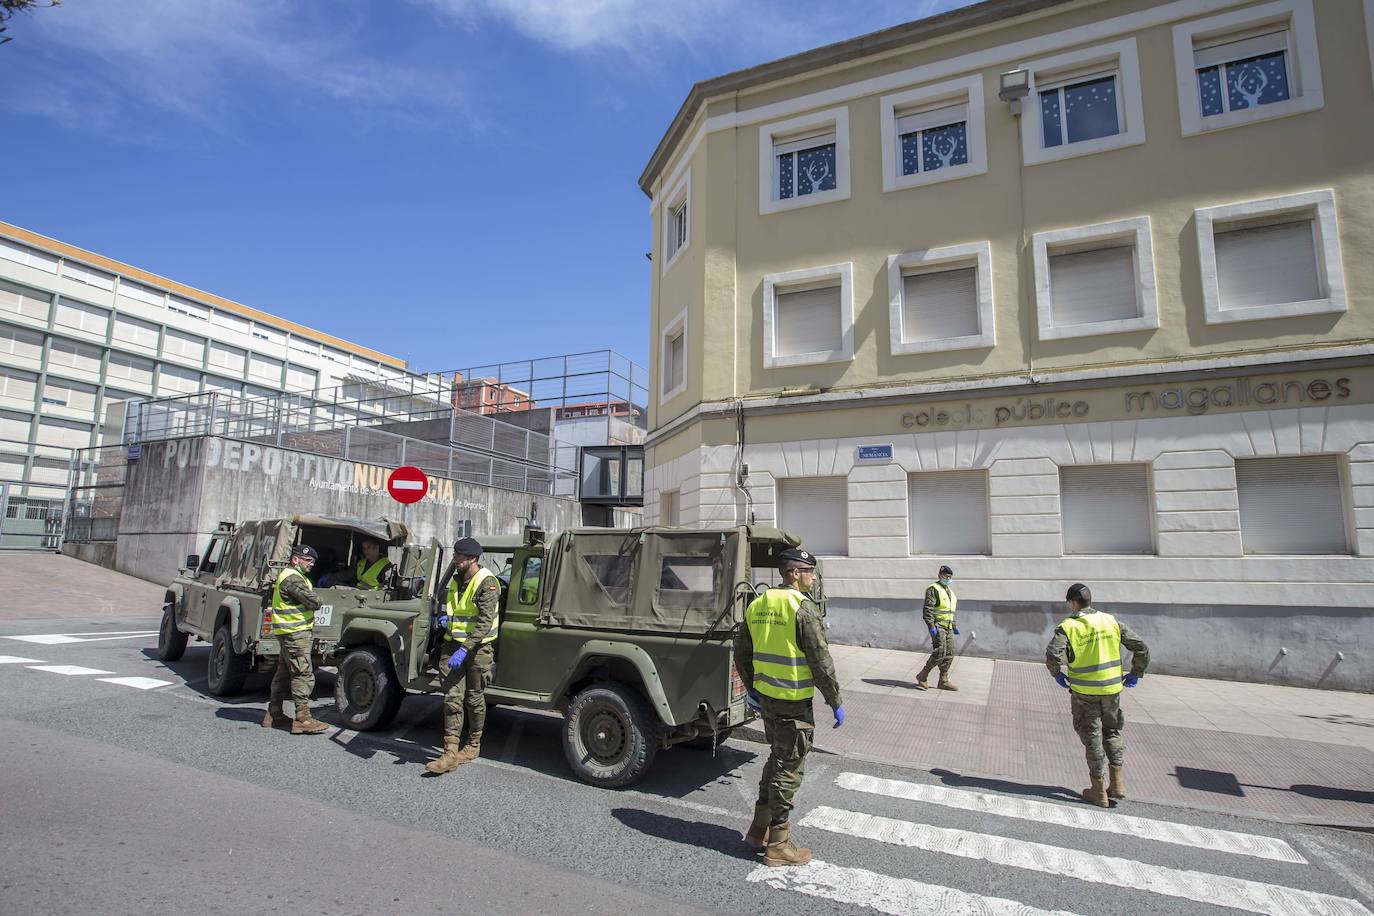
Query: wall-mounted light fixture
[(1015, 86)]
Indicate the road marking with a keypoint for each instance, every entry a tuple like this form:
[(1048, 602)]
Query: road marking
[(51, 639), (1081, 817), (1238, 893), (116, 633), (19, 660), (1361, 886), (68, 669), (142, 683), (897, 896), (57, 639)]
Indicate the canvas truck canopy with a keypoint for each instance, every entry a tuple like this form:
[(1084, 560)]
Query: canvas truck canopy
[(259, 549), (667, 580)]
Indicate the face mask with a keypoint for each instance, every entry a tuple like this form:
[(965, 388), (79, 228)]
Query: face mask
[(944, 582)]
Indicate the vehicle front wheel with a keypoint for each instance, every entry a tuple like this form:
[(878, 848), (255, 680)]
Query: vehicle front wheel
[(609, 735), (366, 690), (228, 669), (171, 642)]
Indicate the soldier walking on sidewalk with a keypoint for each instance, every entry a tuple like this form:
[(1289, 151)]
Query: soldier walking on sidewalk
[(1088, 642), (782, 652), (938, 615), (293, 624)]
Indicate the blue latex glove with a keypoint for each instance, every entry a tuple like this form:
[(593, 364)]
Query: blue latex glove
[(934, 632), (1061, 680), (839, 716), (457, 658), (443, 622), (751, 699), (1130, 680), (956, 631)]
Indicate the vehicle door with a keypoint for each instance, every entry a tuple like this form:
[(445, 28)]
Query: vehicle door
[(419, 573), (207, 574), (524, 655)]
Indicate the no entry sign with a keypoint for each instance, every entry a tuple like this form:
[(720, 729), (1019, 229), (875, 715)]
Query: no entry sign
[(407, 484)]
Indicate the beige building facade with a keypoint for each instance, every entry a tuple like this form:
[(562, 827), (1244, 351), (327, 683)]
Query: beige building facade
[(1049, 291)]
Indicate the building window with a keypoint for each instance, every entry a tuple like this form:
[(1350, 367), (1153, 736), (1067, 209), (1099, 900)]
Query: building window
[(130, 368), (30, 257), (141, 293), (676, 221), (301, 379), (1086, 101), (948, 513), (668, 512), (1273, 258), (18, 386), (1095, 279), (173, 380), (1248, 65), (673, 358), (816, 509), (70, 355), (188, 308), (941, 299), (139, 334), (82, 317), (934, 133), (183, 346), (229, 358), (28, 303), (1105, 509), (1292, 505), (804, 161), (265, 369), (808, 316), (88, 275)]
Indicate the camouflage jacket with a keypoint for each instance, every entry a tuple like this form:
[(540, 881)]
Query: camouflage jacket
[(932, 602), (811, 640), (296, 589), (1058, 654)]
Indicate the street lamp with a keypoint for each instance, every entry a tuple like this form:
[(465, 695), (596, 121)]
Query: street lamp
[(1015, 86)]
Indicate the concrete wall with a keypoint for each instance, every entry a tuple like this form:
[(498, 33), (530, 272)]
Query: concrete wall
[(179, 491)]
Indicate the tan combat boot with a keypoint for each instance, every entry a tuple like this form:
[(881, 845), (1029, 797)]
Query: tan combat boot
[(921, 678), (945, 682), (449, 761), (1117, 787), (471, 750), (276, 716), (1096, 794), (758, 830), (305, 723), (780, 850)]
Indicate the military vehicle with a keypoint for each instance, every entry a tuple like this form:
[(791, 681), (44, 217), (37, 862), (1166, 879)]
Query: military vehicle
[(626, 632)]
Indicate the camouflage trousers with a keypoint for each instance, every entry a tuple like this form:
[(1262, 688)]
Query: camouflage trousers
[(942, 646), (789, 727), (465, 688), (1098, 721), (294, 677)]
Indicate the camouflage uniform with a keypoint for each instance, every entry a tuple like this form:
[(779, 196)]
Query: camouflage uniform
[(790, 725), (466, 685), (942, 644), (295, 671), (1098, 719)]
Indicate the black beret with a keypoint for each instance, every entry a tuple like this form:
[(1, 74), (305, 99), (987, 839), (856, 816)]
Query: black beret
[(467, 547), (796, 555)]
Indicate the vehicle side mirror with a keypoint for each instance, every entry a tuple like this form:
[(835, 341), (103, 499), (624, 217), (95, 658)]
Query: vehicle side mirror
[(193, 563)]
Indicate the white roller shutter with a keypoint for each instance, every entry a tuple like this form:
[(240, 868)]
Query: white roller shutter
[(949, 513), (1268, 265), (1291, 505), (816, 509), (24, 301), (1089, 286), (941, 305), (808, 321), (1106, 509), (132, 331)]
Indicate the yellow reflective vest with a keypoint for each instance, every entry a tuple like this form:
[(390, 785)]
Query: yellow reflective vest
[(780, 668), (1095, 639), (462, 609), (371, 576), (286, 616), (944, 611)]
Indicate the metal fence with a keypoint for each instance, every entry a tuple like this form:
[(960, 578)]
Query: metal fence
[(95, 499)]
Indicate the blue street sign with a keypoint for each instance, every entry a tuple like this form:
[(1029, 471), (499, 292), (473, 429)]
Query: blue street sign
[(135, 451), (875, 453)]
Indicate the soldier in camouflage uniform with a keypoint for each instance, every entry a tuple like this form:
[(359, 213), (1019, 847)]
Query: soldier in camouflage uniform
[(1088, 643), (938, 615), (782, 652), (471, 626), (292, 608)]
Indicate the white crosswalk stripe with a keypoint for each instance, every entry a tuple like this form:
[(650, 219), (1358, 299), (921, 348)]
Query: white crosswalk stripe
[(19, 660), (59, 639), (142, 683), (1081, 817), (898, 896), (70, 670), (1219, 890)]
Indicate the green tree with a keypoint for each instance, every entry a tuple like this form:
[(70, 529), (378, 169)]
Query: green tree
[(9, 7)]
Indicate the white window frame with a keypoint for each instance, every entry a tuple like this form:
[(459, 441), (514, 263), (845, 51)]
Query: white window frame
[(967, 92), (1320, 207), (977, 255), (1304, 66), (1137, 230), (770, 135), (795, 281), (678, 324), (1119, 56), (680, 195)]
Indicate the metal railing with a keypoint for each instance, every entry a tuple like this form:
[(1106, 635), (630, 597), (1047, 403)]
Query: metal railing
[(95, 496)]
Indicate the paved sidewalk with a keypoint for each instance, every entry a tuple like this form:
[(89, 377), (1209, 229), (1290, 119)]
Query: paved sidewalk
[(1268, 751)]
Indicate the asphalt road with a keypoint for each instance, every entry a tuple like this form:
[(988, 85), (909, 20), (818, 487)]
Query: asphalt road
[(148, 795)]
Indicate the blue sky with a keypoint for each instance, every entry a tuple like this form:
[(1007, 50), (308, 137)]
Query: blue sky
[(450, 181)]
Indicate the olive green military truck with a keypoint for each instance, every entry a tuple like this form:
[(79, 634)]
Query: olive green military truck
[(628, 633)]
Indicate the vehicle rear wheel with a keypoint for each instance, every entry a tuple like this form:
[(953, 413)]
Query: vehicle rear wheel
[(366, 691), (609, 735), (228, 669), (171, 642)]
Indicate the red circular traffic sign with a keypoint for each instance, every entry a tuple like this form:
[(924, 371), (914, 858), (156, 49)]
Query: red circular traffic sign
[(407, 484)]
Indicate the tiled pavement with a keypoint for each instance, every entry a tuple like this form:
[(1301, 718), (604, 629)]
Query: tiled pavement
[(1261, 750)]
